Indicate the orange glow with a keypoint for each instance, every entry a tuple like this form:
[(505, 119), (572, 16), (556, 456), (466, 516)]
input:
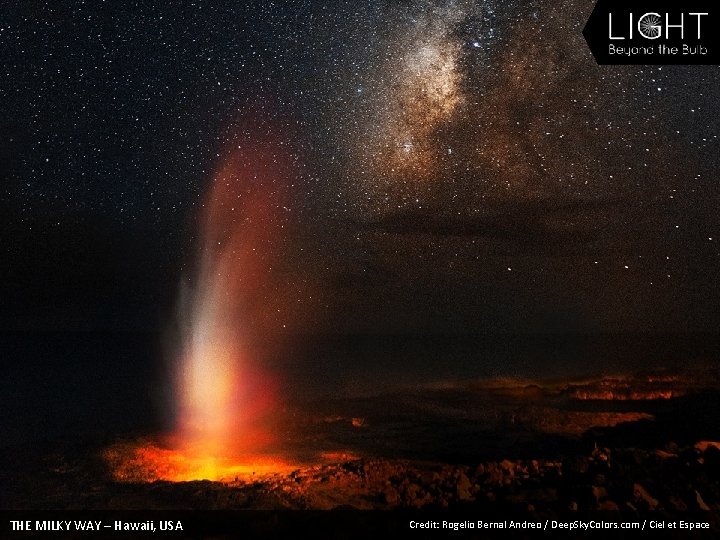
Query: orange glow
[(224, 392), (225, 395), (148, 462)]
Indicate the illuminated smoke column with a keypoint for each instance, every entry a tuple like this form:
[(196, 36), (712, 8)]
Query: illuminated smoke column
[(226, 406), (224, 393)]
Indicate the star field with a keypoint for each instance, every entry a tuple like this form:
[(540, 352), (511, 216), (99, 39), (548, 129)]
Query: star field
[(461, 165)]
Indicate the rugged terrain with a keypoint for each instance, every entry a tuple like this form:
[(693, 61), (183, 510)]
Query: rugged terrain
[(630, 446)]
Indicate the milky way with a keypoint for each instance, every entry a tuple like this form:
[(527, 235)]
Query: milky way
[(462, 165), (477, 138), (420, 93)]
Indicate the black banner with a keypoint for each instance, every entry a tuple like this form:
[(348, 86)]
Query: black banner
[(654, 32), (348, 523)]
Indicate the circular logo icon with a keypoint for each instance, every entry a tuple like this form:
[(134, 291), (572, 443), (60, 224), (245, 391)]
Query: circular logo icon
[(649, 26)]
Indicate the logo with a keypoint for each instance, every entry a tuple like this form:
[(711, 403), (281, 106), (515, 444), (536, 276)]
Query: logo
[(649, 25), (660, 32)]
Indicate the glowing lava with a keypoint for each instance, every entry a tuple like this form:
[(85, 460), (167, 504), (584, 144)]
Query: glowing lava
[(149, 462), (225, 397)]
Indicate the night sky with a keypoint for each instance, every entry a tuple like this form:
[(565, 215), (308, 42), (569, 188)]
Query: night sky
[(460, 166)]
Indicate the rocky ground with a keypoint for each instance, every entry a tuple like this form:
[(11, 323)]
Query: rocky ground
[(621, 445)]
